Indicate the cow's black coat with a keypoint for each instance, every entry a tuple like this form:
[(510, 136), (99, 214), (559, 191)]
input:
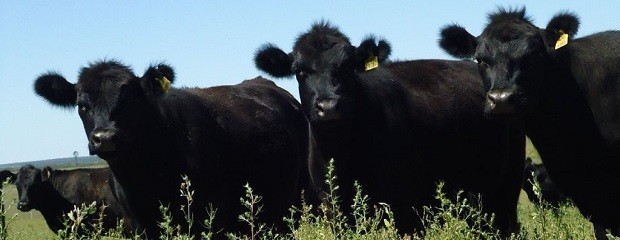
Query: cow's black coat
[(401, 128), (220, 137), (55, 193), (569, 99)]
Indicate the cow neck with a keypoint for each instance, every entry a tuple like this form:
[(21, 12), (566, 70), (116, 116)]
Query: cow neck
[(562, 126), (138, 194), (379, 99), (186, 114), (55, 205), (332, 138), (57, 181), (379, 114), (53, 179)]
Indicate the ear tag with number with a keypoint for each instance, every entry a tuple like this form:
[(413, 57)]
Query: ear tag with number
[(165, 83), (562, 40), (372, 62)]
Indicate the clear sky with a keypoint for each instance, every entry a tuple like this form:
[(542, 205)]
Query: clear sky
[(208, 43)]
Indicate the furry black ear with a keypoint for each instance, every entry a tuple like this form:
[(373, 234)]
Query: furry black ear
[(56, 90), (46, 173), (167, 71), (369, 54), (155, 81), (380, 49), (6, 175), (383, 50), (272, 60), (456, 41), (566, 21), (562, 23)]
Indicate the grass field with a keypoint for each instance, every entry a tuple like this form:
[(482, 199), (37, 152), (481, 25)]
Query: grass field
[(536, 223), (445, 222)]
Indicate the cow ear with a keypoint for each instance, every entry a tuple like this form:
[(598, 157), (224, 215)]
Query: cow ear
[(273, 61), (560, 29), (167, 71), (46, 173), (370, 53), (56, 90), (156, 80), (383, 50), (9, 177), (456, 41)]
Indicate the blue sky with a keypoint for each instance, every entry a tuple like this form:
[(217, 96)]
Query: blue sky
[(208, 43)]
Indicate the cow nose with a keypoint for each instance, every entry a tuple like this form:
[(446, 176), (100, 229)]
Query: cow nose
[(326, 109), (499, 102), (23, 206), (101, 141)]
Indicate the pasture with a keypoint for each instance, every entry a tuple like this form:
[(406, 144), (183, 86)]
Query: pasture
[(445, 222), (536, 223)]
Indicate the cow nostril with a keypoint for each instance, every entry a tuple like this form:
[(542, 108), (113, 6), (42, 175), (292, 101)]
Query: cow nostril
[(497, 97), (320, 106), (96, 139), (102, 141), (493, 97), (499, 102), (327, 110)]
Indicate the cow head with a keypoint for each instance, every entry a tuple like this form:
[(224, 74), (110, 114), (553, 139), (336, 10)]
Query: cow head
[(30, 183), (115, 106), (324, 63), (512, 55)]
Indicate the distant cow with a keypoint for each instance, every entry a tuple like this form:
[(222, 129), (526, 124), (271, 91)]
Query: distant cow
[(567, 92), (549, 193), (400, 127), (220, 137), (7, 175), (55, 193)]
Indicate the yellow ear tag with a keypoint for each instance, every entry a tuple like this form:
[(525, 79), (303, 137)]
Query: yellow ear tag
[(562, 40), (372, 62), (165, 83)]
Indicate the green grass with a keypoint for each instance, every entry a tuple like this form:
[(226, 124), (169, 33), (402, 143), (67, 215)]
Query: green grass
[(536, 223), (446, 221), (531, 152)]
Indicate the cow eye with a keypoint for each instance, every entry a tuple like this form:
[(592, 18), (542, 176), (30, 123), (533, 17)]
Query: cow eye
[(82, 107), (300, 74)]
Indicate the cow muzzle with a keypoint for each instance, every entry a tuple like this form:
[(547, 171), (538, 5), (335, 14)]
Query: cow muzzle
[(102, 141), (499, 102), (327, 109)]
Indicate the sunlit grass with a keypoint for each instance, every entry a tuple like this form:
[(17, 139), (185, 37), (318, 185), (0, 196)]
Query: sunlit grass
[(454, 218)]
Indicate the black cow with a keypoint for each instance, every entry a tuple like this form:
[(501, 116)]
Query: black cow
[(567, 91), (220, 137), (55, 193), (7, 175), (400, 127), (549, 193)]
